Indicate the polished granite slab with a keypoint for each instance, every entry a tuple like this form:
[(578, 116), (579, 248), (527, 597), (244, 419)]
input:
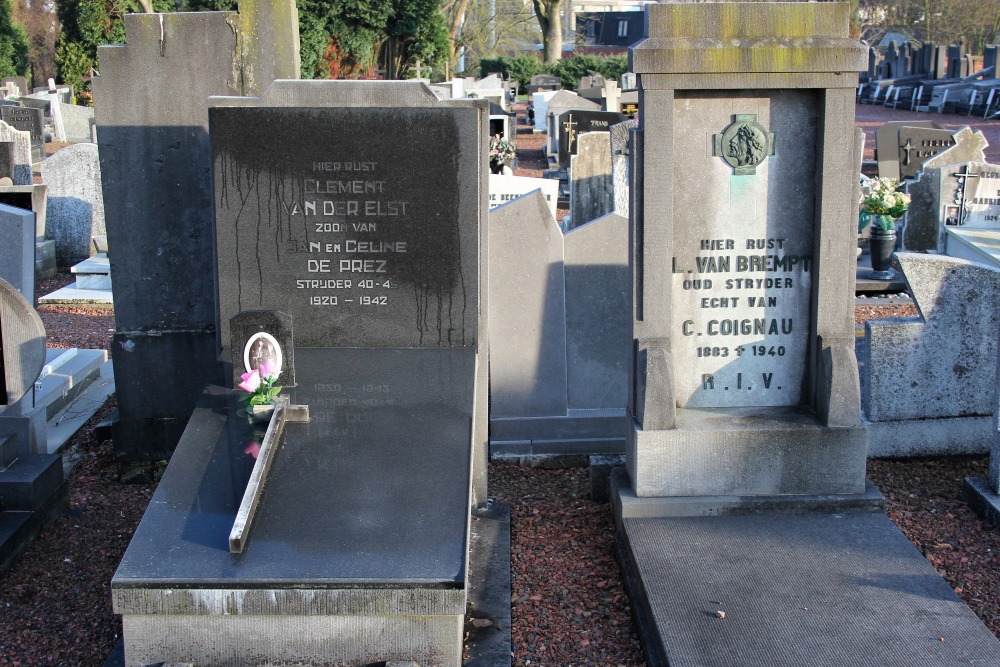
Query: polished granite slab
[(373, 492)]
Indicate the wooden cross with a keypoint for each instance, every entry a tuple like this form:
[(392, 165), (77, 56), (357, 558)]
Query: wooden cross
[(283, 412)]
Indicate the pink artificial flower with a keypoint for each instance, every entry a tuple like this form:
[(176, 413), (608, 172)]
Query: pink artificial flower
[(266, 369), (253, 449), (250, 382)]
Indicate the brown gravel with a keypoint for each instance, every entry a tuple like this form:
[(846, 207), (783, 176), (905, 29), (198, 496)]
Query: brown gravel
[(568, 603)]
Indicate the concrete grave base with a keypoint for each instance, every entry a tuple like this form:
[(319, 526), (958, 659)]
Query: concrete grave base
[(313, 640), (792, 590), (630, 506), (745, 452), (950, 436), (986, 503), (581, 432)]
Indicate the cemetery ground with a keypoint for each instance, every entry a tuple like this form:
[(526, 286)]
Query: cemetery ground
[(569, 606)]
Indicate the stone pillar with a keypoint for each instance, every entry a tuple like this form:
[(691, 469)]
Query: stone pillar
[(744, 375), (152, 108)]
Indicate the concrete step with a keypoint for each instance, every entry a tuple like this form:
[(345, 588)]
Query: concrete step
[(75, 295), (65, 375), (93, 273), (27, 483), (19, 528), (66, 422)]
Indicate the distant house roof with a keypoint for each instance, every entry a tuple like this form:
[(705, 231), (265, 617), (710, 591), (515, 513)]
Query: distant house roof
[(621, 29)]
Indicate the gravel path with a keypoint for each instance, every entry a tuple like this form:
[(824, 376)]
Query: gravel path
[(568, 603)]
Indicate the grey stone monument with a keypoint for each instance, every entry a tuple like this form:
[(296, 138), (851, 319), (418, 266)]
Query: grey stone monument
[(22, 152), (155, 166), (591, 188), (948, 203), (75, 208), (929, 380), (17, 251), (358, 553), (620, 165), (528, 356), (560, 328), (30, 120), (744, 486)]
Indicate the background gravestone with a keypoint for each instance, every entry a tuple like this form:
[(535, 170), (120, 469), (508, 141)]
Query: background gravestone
[(17, 250), (504, 189), (887, 145), (917, 145), (155, 168), (956, 196), (528, 355), (573, 124), (22, 152), (929, 380), (591, 192), (30, 120), (76, 122), (620, 165), (598, 317), (75, 207)]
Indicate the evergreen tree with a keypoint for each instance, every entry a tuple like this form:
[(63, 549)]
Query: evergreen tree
[(86, 24), (13, 43)]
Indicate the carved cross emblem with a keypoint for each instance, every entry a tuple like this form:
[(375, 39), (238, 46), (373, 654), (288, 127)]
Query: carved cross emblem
[(744, 144)]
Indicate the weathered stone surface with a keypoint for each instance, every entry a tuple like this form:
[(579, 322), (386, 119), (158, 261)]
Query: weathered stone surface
[(591, 193), (75, 208), (22, 152), (76, 122), (969, 147), (747, 37), (941, 364), (620, 165), (156, 167)]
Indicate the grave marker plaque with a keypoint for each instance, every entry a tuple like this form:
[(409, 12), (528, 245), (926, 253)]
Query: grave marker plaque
[(349, 238), (741, 276), (572, 124), (917, 145)]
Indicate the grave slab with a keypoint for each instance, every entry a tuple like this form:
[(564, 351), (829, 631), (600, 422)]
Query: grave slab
[(363, 560), (819, 589)]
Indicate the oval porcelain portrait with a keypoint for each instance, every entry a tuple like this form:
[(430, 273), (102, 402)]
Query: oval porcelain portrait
[(260, 348)]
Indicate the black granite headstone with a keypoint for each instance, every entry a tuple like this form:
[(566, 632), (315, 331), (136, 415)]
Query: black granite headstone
[(361, 237), (543, 82), (262, 335), (919, 144), (574, 123), (40, 103)]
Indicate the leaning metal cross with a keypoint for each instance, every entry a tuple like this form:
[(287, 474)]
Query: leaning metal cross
[(962, 179)]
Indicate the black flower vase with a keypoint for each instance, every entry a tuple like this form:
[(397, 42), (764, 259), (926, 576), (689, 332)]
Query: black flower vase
[(496, 167), (882, 243)]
